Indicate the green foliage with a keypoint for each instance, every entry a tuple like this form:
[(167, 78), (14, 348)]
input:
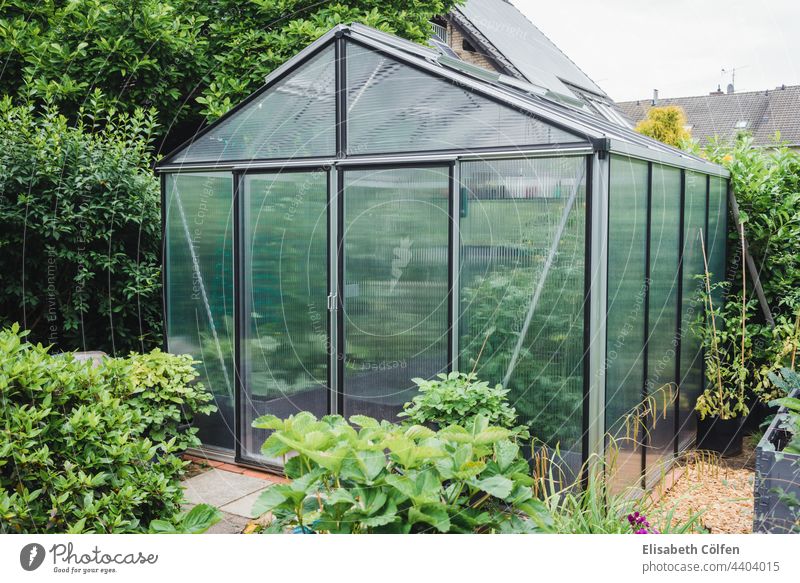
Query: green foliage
[(162, 387), (387, 478), (196, 521), (456, 398), (789, 382), (666, 124), (80, 221), (188, 59), (766, 183), (726, 355), (74, 451)]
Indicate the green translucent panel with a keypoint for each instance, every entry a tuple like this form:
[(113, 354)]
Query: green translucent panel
[(396, 235), (717, 232), (293, 118), (517, 214), (285, 346), (627, 244), (199, 294), (392, 107), (665, 216), (691, 369)]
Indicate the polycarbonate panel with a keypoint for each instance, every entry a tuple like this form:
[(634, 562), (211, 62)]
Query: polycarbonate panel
[(665, 215), (199, 294), (717, 233), (691, 369), (515, 215), (392, 107), (296, 117), (627, 289), (285, 346), (396, 236)]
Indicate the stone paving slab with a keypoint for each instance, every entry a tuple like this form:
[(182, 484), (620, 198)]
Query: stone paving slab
[(230, 524), (219, 488), (244, 505)]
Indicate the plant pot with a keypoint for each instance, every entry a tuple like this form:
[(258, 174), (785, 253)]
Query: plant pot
[(723, 436), (759, 412)]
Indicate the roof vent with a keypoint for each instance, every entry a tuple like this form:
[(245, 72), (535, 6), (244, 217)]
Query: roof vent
[(730, 88), (741, 124)]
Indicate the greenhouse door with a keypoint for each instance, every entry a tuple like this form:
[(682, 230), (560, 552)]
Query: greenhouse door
[(394, 281), (284, 305)]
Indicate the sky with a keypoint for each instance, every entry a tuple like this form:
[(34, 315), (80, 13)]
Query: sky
[(630, 47)]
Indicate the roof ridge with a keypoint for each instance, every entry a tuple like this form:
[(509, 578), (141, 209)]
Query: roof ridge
[(735, 94)]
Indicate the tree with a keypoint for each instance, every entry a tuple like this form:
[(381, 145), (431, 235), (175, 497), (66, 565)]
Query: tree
[(666, 124), (191, 60), (80, 221)]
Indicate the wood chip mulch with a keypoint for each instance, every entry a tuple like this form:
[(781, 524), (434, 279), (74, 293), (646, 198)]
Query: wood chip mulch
[(721, 488)]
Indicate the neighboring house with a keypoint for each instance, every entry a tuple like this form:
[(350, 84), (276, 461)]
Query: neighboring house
[(494, 35), (760, 113)]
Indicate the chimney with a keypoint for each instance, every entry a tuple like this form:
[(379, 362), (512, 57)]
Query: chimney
[(717, 92), (730, 88), (655, 96)]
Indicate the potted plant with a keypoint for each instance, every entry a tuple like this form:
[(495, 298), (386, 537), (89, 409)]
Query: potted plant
[(722, 405)]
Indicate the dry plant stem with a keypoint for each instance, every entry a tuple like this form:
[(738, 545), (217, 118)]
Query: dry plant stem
[(714, 341)]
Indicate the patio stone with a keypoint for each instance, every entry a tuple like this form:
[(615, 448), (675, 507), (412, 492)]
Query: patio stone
[(230, 524), (219, 488), (244, 505)]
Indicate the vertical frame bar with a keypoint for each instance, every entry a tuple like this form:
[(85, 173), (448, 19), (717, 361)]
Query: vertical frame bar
[(646, 347), (164, 264), (340, 348), (333, 289), (597, 282), (340, 57), (678, 330), (454, 295), (239, 311)]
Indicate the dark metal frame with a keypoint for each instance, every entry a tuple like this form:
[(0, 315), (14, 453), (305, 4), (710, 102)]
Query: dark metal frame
[(646, 317), (241, 302), (587, 318), (341, 251)]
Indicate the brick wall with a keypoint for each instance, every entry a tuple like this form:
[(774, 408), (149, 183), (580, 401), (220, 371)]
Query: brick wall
[(455, 38)]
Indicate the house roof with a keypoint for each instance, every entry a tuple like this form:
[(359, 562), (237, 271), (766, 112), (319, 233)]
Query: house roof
[(515, 40), (761, 113), (570, 116)]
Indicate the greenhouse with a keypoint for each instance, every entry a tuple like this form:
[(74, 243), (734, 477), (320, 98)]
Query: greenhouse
[(380, 212)]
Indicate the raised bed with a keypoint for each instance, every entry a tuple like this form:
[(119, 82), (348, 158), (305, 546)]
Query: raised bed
[(777, 477)]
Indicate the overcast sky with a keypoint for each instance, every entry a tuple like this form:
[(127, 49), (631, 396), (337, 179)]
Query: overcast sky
[(630, 47)]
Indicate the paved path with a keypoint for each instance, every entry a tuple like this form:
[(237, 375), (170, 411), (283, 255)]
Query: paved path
[(230, 488)]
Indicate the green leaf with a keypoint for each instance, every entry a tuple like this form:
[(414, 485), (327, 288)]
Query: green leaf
[(433, 514), (498, 486)]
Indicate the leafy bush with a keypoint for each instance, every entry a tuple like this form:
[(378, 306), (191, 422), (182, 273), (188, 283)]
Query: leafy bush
[(80, 220), (74, 456), (188, 59), (455, 398), (666, 124), (766, 183), (162, 387), (386, 478)]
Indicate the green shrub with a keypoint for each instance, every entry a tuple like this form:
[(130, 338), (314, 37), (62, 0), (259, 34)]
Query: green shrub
[(74, 456), (789, 381), (455, 398), (766, 182), (84, 206), (190, 60), (162, 387), (387, 478)]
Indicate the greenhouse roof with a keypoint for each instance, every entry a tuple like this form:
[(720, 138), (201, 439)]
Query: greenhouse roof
[(565, 114)]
